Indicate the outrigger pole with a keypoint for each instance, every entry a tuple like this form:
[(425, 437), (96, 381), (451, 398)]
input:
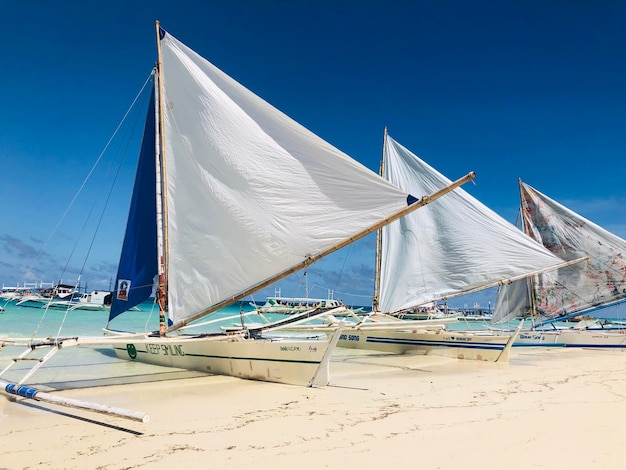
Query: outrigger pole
[(33, 393)]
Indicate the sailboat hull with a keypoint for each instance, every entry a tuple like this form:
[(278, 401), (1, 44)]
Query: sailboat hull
[(438, 342), (572, 338), (297, 361)]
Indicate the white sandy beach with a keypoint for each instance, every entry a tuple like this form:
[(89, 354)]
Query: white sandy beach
[(547, 408)]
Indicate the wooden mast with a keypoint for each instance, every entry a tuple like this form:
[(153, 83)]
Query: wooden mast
[(162, 190), (530, 285), (379, 237)]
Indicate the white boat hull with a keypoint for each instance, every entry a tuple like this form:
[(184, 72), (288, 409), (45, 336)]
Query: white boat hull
[(290, 361), (442, 342), (572, 338)]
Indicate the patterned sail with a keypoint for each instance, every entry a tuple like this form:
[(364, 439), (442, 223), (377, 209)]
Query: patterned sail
[(250, 192), (582, 286), (453, 246)]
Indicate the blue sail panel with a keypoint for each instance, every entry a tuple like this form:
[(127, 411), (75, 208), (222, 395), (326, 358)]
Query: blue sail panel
[(138, 261)]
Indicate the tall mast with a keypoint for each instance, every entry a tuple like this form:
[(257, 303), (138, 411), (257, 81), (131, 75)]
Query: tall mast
[(161, 189), (379, 236)]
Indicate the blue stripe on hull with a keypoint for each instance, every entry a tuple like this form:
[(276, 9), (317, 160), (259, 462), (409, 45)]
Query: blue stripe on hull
[(565, 345), (435, 344)]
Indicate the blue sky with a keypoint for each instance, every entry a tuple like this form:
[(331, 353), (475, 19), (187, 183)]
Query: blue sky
[(514, 89)]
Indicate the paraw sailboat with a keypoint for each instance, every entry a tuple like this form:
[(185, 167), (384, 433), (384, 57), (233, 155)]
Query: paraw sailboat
[(453, 247), (579, 289), (208, 226)]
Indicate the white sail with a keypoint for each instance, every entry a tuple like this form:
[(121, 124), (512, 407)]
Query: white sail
[(452, 246), (582, 286), (229, 196), (513, 301), (250, 192)]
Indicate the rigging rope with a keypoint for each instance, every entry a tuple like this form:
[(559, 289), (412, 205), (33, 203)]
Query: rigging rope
[(140, 95)]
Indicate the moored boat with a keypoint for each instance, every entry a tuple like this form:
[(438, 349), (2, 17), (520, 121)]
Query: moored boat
[(453, 247), (580, 290), (291, 305), (94, 300)]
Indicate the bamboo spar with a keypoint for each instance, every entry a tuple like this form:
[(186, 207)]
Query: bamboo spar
[(501, 282), (424, 200), (34, 394)]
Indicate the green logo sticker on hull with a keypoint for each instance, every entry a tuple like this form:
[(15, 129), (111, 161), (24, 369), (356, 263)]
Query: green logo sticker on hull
[(132, 352)]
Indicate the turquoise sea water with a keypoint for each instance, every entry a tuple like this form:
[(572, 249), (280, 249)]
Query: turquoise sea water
[(90, 366), (26, 322), (40, 322), (86, 366)]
